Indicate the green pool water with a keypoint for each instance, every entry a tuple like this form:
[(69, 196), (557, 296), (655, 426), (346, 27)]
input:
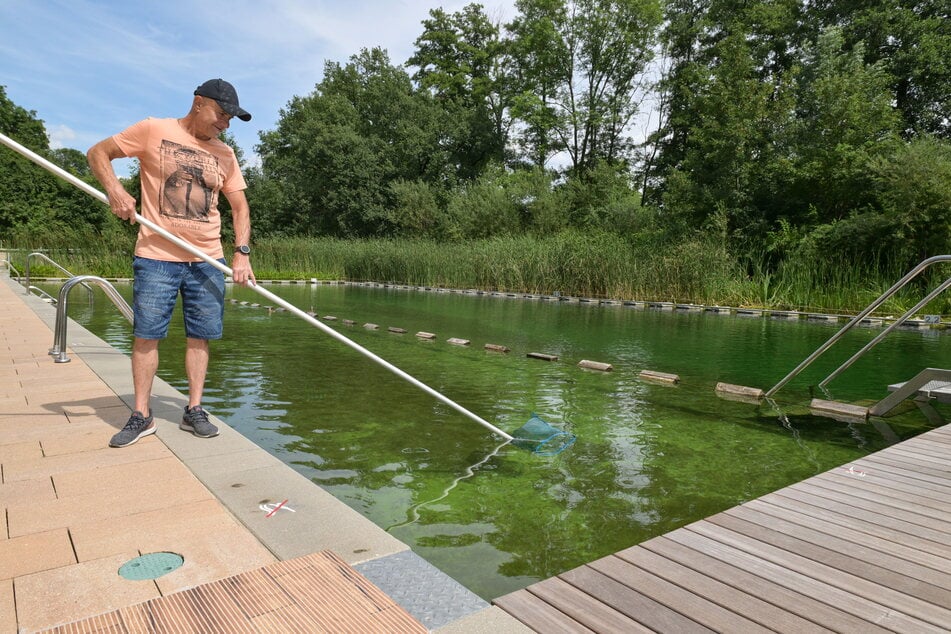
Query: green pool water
[(649, 457)]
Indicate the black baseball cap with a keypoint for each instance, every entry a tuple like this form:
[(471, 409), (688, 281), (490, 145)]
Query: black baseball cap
[(226, 96)]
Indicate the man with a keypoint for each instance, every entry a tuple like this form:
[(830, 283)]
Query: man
[(183, 167)]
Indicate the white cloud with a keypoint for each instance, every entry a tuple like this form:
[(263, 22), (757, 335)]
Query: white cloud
[(61, 136), (93, 67)]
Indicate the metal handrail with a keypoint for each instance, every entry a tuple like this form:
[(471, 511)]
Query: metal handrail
[(43, 294), (921, 266), (51, 261), (58, 351), (898, 322)]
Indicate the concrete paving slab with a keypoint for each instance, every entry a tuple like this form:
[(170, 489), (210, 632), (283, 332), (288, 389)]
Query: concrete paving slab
[(310, 521), (145, 449), (106, 479), (49, 598), (79, 509), (25, 491), (163, 529), (489, 621), (8, 612), (28, 451), (32, 553)]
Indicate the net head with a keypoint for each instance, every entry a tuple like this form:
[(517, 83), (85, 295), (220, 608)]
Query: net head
[(542, 438)]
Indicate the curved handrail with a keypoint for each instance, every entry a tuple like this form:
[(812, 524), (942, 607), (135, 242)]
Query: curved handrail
[(50, 261), (874, 342), (921, 266), (58, 351)]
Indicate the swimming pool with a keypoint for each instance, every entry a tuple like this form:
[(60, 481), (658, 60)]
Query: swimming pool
[(649, 458)]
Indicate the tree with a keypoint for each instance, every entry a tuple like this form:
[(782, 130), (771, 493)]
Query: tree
[(31, 199), (460, 61), (730, 99), (581, 79), (336, 152), (539, 71), (911, 41)]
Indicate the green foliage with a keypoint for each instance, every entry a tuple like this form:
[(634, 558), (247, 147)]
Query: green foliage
[(578, 87), (417, 211), (485, 207), (801, 158), (32, 200), (336, 153), (460, 59)]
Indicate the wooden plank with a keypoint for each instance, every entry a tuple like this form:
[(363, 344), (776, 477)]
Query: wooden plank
[(936, 470), (852, 573), (913, 469), (889, 563), (748, 605), (691, 605), (538, 614), (799, 584), (852, 517), (915, 474), (255, 592), (584, 608), (873, 505), (887, 500), (892, 489), (924, 446), (911, 452), (219, 608), (895, 609), (630, 602), (788, 610)]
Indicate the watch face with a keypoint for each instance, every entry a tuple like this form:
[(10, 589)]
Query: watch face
[(245, 249)]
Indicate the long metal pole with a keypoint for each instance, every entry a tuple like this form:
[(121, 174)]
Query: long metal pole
[(95, 193)]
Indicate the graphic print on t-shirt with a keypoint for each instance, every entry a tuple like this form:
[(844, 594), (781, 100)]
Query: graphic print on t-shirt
[(190, 178)]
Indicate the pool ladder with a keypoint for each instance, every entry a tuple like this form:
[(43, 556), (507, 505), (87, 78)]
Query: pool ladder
[(933, 379), (58, 351)]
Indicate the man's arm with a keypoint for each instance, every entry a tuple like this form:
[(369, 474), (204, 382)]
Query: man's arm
[(241, 217), (100, 157)]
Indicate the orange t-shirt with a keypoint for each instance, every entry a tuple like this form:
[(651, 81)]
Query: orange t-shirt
[(181, 179)]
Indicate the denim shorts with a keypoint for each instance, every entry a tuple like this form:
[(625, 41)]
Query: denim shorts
[(155, 289)]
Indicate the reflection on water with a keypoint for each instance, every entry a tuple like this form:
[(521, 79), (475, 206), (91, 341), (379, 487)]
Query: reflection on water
[(649, 457)]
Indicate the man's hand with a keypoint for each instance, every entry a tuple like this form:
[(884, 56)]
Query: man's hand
[(241, 271), (100, 157), (122, 204)]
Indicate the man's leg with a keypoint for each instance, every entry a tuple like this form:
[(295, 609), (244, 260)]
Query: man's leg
[(195, 418), (144, 366), (196, 368), (203, 301)]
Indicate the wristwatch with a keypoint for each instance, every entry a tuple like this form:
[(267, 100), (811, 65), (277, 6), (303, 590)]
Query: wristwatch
[(243, 248)]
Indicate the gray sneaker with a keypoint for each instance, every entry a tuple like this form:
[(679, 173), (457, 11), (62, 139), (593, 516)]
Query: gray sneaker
[(196, 421), (137, 427)]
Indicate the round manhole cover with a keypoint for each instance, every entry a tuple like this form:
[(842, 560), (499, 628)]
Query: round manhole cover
[(150, 566)]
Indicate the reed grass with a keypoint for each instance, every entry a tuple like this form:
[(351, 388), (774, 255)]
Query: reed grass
[(572, 263)]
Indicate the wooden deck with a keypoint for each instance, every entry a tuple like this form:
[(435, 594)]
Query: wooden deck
[(311, 594), (861, 548)]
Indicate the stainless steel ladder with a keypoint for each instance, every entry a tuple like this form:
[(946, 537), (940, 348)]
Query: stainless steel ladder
[(914, 272), (58, 351)]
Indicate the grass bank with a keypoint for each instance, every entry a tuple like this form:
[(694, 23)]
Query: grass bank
[(601, 265)]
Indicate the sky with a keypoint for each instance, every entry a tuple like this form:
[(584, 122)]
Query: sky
[(89, 69)]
